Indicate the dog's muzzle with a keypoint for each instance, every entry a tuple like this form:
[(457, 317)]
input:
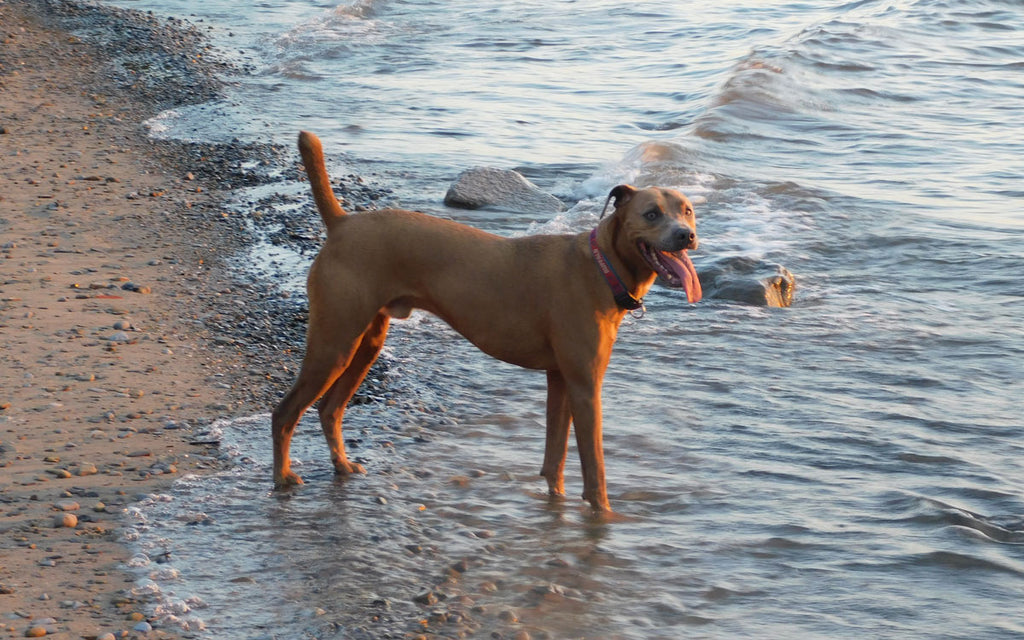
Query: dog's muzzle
[(675, 267)]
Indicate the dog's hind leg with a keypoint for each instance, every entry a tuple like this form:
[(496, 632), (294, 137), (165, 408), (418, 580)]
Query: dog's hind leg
[(557, 442), (327, 358), (332, 405)]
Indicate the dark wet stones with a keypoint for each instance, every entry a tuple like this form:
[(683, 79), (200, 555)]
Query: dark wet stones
[(749, 281), (153, 57)]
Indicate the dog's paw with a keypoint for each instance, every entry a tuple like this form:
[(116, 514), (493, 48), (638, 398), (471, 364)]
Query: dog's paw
[(556, 491), (286, 480), (347, 468)]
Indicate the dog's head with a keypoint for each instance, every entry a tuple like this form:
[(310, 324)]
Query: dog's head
[(661, 226)]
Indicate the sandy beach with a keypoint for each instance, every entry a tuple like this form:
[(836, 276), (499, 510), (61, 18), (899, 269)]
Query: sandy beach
[(124, 330)]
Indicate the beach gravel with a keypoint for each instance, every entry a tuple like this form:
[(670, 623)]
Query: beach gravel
[(120, 310)]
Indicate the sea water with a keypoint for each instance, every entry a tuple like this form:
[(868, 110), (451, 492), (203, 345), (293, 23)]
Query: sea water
[(851, 466)]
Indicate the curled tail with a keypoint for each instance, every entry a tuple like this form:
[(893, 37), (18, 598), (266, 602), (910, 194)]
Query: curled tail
[(313, 158)]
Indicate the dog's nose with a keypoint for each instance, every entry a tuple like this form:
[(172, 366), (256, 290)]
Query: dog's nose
[(685, 238)]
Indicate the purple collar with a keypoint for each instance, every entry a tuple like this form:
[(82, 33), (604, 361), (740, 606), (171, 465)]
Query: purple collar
[(622, 296)]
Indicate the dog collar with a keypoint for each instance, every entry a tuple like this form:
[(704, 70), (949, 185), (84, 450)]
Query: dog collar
[(622, 296)]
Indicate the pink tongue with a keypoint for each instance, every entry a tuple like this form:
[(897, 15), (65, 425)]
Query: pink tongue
[(683, 268)]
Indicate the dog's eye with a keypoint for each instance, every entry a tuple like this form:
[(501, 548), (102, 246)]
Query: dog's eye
[(652, 215)]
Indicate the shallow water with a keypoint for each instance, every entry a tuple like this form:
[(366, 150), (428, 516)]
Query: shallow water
[(850, 466)]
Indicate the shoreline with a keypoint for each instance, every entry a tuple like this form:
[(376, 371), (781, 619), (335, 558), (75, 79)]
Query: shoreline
[(127, 331)]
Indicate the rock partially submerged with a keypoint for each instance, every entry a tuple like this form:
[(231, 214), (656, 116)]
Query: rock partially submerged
[(749, 281), (500, 188)]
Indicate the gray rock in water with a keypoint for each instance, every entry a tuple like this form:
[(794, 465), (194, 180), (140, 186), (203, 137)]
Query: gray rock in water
[(486, 187), (749, 281)]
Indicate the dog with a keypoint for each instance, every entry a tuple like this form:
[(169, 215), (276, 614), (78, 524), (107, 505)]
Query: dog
[(547, 302)]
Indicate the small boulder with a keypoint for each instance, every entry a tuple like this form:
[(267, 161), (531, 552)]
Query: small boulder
[(499, 188), (749, 281)]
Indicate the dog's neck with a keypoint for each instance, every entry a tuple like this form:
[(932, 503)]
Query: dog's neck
[(622, 296), (623, 257)]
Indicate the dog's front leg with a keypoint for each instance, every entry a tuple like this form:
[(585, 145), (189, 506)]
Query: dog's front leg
[(585, 401), (557, 442)]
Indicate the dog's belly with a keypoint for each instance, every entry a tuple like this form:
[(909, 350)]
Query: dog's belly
[(505, 337), (524, 355), (509, 344)]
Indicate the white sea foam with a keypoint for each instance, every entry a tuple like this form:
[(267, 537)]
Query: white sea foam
[(162, 123)]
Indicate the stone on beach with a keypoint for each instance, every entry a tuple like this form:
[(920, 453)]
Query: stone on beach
[(62, 520), (502, 189), (137, 288), (86, 469), (67, 505)]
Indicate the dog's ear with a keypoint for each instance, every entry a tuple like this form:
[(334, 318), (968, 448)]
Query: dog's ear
[(621, 194)]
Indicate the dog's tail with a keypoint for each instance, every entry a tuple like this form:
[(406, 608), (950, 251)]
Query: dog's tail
[(313, 158)]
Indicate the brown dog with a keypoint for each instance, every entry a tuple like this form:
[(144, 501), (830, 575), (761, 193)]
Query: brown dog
[(548, 302)]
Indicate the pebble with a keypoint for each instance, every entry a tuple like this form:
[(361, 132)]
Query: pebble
[(66, 505), (508, 616), (545, 589), (137, 288), (87, 469), (68, 520), (143, 627), (35, 632), (106, 636)]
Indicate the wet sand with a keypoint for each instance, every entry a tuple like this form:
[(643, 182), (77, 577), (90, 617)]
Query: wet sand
[(124, 329)]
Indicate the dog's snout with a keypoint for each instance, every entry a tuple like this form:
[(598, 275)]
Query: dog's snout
[(685, 238)]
